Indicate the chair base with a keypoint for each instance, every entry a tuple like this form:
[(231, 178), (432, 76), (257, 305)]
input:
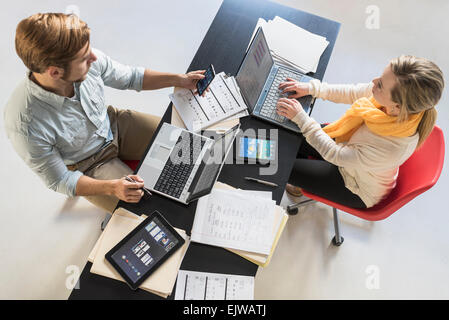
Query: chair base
[(293, 208), (335, 243)]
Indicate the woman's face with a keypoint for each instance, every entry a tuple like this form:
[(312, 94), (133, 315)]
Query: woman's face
[(382, 92)]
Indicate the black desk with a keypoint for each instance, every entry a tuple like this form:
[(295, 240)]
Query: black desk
[(224, 46)]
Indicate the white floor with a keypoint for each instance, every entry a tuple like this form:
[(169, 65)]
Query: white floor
[(45, 237)]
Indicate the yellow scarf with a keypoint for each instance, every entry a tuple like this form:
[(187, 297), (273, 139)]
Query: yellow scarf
[(366, 110)]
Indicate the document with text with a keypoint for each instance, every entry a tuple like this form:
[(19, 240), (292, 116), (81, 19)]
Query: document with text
[(221, 102), (235, 219), (193, 285)]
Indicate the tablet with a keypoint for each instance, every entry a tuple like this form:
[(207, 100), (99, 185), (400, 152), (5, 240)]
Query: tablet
[(144, 249), (260, 150)]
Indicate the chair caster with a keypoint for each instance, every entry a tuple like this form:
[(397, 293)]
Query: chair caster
[(335, 243), (292, 211)]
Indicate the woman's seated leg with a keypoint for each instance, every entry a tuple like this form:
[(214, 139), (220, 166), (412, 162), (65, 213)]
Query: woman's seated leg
[(323, 179)]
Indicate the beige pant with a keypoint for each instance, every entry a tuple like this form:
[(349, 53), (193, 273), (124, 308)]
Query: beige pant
[(132, 132)]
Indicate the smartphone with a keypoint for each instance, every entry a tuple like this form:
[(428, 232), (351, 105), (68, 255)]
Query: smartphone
[(202, 84)]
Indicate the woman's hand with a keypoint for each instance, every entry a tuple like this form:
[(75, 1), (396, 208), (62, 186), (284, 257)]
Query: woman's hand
[(288, 108), (129, 191), (298, 89)]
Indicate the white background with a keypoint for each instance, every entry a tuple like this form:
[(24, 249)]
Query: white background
[(42, 233)]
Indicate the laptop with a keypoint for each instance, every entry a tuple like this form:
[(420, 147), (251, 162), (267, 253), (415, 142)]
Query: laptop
[(183, 165), (259, 77)]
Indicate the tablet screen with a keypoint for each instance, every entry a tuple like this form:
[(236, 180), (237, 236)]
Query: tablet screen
[(142, 251), (253, 148)]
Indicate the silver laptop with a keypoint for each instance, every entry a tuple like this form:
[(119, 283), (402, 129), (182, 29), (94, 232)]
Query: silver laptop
[(259, 77), (184, 166)]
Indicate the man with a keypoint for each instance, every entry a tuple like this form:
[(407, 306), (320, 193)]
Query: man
[(57, 120)]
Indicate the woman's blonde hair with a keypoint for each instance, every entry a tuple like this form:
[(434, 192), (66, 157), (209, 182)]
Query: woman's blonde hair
[(50, 39), (418, 88)]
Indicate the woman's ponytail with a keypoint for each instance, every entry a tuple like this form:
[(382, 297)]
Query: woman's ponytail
[(426, 125)]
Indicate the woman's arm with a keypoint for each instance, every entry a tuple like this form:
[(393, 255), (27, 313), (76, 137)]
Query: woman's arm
[(340, 93), (365, 156)]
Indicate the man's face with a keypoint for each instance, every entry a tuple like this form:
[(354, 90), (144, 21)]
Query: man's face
[(79, 67)]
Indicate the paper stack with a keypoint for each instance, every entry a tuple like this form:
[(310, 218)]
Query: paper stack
[(194, 285), (292, 45), (122, 222), (223, 102), (245, 222)]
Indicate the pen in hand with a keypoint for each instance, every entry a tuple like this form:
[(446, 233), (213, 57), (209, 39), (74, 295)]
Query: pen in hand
[(134, 181)]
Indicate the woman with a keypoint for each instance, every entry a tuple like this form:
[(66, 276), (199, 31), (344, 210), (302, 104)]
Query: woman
[(355, 160)]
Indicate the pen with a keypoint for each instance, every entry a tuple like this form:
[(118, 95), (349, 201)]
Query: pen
[(134, 181), (271, 184)]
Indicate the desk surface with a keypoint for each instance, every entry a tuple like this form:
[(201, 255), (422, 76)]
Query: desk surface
[(224, 46)]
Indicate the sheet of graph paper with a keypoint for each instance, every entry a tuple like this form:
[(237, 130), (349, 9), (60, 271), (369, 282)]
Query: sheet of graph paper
[(193, 285)]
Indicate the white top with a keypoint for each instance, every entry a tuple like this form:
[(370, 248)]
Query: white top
[(367, 162)]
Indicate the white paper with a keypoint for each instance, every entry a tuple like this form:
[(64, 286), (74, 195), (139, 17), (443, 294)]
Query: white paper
[(236, 220), (293, 45), (220, 102), (192, 285)]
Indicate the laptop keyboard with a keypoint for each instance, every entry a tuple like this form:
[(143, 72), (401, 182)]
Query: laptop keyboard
[(175, 174), (269, 105)]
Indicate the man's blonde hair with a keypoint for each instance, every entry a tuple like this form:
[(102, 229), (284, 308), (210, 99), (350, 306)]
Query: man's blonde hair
[(50, 39), (418, 88)]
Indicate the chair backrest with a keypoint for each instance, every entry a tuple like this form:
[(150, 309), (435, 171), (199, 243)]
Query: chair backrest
[(416, 175), (422, 170)]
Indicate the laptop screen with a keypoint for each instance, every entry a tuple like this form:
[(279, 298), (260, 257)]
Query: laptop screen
[(209, 169), (255, 69)]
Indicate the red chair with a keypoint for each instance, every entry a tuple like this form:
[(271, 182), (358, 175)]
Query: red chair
[(416, 175), (132, 164)]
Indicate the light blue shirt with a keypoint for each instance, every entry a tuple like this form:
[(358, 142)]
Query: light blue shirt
[(49, 131)]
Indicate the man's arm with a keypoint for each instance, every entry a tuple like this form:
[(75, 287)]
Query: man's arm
[(120, 76), (153, 80), (120, 188), (47, 163)]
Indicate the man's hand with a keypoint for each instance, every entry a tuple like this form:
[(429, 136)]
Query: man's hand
[(298, 89), (288, 108), (129, 191), (190, 79)]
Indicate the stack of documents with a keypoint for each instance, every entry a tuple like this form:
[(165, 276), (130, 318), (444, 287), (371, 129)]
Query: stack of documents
[(193, 285), (222, 101), (122, 222), (245, 222), (292, 45)]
